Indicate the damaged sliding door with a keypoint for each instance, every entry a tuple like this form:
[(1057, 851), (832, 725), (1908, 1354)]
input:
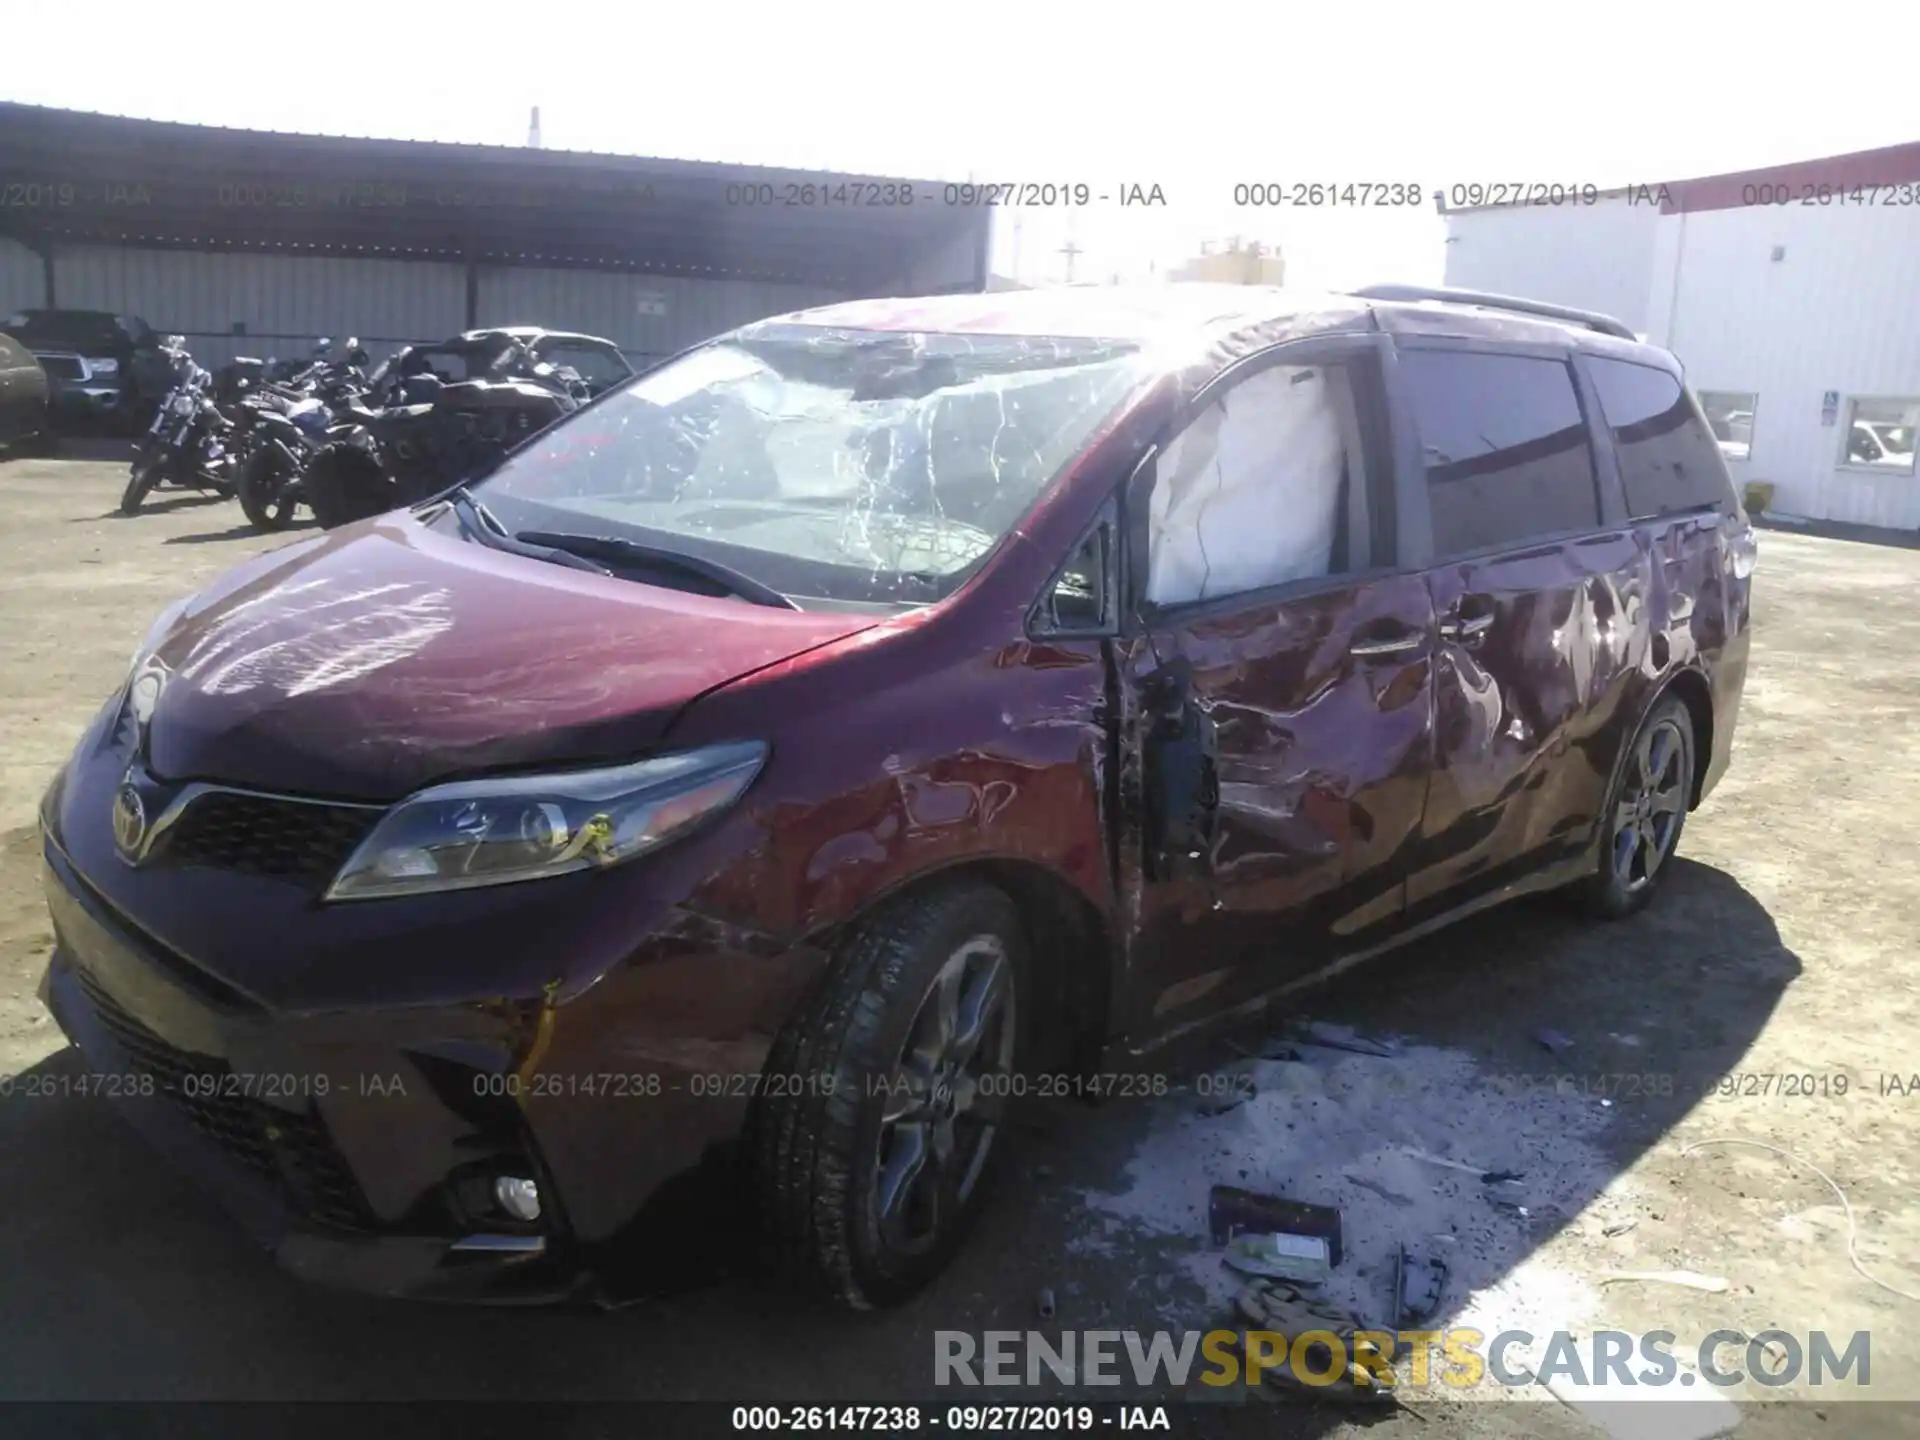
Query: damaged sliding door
[(1279, 673)]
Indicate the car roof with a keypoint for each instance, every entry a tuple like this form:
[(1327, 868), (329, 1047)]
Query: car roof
[(531, 332), (1146, 312)]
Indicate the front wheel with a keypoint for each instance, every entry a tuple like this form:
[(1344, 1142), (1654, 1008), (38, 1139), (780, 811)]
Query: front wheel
[(879, 1127), (145, 475), (269, 493), (1645, 814)]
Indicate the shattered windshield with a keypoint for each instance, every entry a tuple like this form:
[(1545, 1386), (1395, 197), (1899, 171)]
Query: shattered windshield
[(870, 466)]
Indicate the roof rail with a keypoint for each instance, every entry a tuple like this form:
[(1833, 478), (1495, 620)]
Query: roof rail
[(1605, 324)]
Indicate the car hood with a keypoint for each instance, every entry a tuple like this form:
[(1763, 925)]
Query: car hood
[(372, 660)]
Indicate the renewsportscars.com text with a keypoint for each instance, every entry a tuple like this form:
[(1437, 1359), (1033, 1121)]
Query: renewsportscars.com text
[(1460, 1358)]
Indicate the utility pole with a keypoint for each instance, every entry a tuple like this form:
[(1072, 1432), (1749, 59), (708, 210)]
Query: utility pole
[(1070, 250)]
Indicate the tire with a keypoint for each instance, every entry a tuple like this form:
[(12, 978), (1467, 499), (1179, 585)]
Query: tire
[(825, 1153), (343, 483), (146, 474), (266, 489), (1649, 798)]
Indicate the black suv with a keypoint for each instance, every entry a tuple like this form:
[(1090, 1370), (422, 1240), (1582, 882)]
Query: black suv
[(101, 368)]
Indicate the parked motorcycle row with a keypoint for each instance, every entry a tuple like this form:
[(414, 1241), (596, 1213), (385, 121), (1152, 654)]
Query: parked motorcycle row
[(347, 441)]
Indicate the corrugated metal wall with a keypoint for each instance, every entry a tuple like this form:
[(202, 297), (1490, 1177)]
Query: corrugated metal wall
[(1839, 311), (23, 281), (1596, 257), (286, 302), (647, 316), (960, 264)]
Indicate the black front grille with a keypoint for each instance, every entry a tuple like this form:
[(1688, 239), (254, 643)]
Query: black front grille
[(266, 835), (289, 1150)]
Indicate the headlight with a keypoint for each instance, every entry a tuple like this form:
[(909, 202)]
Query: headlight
[(495, 832), (104, 367)]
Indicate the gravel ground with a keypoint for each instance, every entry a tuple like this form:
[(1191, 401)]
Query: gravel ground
[(1785, 945)]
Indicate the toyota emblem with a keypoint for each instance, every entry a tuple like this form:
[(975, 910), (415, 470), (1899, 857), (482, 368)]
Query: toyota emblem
[(129, 820)]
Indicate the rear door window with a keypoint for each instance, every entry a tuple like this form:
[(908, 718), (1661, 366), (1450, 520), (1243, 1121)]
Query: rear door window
[(1508, 458), (1669, 459)]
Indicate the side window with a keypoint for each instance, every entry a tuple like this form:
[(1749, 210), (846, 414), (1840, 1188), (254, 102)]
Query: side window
[(594, 365), (1669, 459), (1255, 491), (1507, 453), (1081, 600)]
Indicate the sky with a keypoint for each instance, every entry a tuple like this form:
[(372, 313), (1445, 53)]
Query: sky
[(1193, 99)]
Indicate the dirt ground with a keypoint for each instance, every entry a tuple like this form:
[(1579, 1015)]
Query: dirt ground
[(1785, 945)]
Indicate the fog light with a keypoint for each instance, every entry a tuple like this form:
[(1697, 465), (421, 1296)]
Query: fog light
[(519, 1197)]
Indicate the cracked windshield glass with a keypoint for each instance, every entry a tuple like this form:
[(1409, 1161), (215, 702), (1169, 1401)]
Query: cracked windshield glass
[(848, 466)]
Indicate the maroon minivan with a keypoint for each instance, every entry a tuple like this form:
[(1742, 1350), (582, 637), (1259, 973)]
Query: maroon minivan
[(861, 723)]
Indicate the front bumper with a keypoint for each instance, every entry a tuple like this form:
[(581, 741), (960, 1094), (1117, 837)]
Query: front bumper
[(287, 1135), (76, 402), (344, 1143)]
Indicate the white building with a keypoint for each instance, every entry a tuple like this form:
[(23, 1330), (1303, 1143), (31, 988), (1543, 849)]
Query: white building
[(1791, 295)]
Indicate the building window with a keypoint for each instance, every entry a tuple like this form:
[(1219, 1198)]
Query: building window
[(1880, 434), (1730, 417)]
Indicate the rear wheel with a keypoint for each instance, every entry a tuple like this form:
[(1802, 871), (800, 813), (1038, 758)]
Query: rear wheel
[(1646, 812), (343, 483), (268, 494), (140, 482), (878, 1129)]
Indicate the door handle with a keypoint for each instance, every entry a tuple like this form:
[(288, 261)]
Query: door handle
[(1466, 630), (1399, 646)]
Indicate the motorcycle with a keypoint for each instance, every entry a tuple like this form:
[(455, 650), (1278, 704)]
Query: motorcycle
[(188, 444), (286, 425), (437, 436)]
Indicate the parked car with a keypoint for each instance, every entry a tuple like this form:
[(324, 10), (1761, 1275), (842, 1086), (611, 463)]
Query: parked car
[(473, 355), (104, 370), (778, 768), (23, 396), (1885, 443)]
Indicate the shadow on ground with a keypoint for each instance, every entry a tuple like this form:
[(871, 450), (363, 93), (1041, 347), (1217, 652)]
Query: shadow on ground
[(123, 1282)]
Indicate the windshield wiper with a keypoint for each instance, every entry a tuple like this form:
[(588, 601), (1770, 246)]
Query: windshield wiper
[(480, 523), (617, 548)]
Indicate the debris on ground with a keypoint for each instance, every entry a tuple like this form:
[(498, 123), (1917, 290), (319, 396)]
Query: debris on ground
[(1507, 1194), (1304, 1258), (1692, 1279), (1618, 1228), (1335, 1037), (1046, 1306), (1358, 1386), (1553, 1040), (1441, 1160), (1232, 1211), (1292, 1310), (1419, 1285)]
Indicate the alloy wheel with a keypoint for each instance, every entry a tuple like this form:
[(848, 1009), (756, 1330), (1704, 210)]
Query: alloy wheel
[(945, 1099), (1651, 804)]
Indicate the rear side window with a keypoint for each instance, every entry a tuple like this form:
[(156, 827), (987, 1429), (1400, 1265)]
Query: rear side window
[(1669, 459), (1506, 446)]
